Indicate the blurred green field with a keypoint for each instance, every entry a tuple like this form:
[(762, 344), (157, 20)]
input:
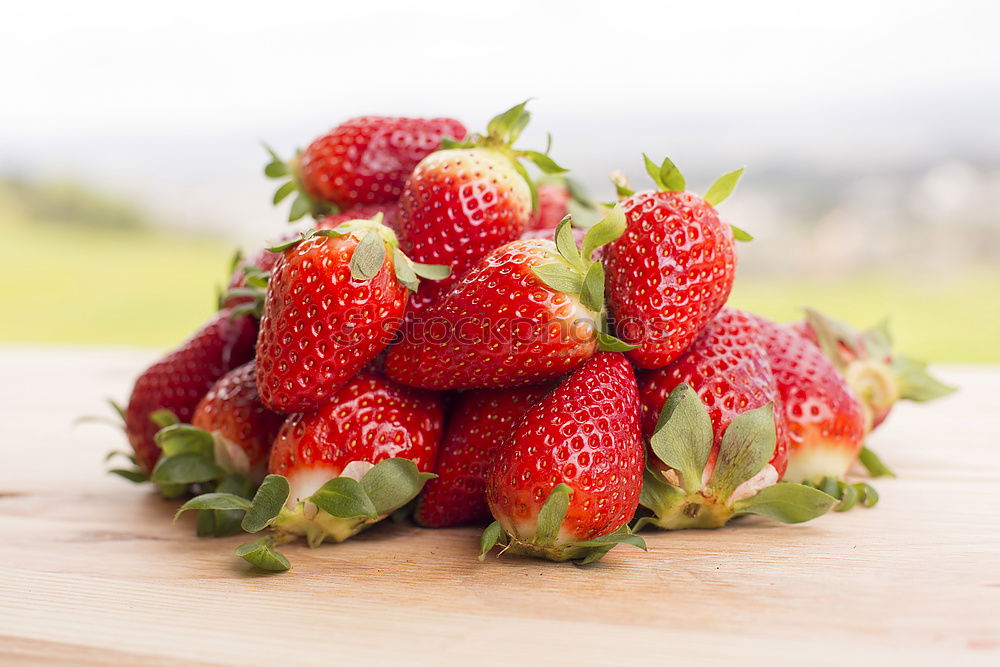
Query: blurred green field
[(129, 285)]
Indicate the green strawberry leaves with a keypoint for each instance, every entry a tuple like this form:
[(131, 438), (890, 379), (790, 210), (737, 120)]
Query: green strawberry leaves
[(188, 458), (719, 191), (551, 515), (344, 498), (262, 554), (848, 494), (873, 464), (559, 277), (368, 256), (683, 437), (788, 503), (667, 176), (491, 537), (608, 343), (266, 505), (576, 273), (683, 440), (608, 229), (747, 445), (187, 468), (392, 483), (592, 290), (349, 506), (915, 383), (303, 204)]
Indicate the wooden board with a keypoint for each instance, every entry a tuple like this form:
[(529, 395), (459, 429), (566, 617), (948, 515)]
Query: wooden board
[(93, 571)]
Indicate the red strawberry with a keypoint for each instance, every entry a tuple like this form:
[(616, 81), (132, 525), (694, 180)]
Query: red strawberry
[(826, 425), (673, 268), (717, 434), (728, 368), (334, 472), (480, 420), (242, 427), (566, 482), (462, 202), (178, 381), (878, 377), (362, 161), (530, 311), (553, 205), (225, 446), (334, 301)]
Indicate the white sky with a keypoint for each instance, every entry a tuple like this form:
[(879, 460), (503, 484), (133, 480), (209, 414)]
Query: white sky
[(183, 66), (91, 85)]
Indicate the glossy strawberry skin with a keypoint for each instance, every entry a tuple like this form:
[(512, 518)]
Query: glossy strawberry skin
[(553, 205), (668, 274), (178, 381), (367, 160), (320, 326), (826, 422), (585, 434), (369, 419), (728, 368), (480, 421), (458, 205), (499, 326), (232, 410)]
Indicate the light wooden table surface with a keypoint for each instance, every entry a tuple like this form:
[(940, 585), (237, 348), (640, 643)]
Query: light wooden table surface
[(92, 571)]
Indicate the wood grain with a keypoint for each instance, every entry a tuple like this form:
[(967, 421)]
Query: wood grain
[(95, 573)]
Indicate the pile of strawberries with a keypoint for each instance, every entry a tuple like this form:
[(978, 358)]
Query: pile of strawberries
[(445, 345)]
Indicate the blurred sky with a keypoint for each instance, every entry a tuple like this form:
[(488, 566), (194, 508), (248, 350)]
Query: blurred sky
[(167, 101)]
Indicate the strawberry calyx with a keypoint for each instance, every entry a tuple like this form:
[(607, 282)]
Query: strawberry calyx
[(289, 172), (338, 510), (576, 273), (668, 178), (548, 541), (682, 493), (502, 132)]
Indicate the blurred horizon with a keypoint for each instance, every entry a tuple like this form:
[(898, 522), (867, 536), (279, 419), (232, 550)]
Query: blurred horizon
[(868, 131)]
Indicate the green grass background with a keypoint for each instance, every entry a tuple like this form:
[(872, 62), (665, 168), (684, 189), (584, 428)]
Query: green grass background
[(130, 285)]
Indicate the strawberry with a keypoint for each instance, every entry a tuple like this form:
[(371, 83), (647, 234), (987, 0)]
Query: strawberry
[(334, 301), (673, 268), (826, 424), (231, 432), (462, 202), (877, 376), (565, 483), (716, 434), (530, 311), (361, 161), (480, 420), (553, 205), (336, 471), (169, 390)]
